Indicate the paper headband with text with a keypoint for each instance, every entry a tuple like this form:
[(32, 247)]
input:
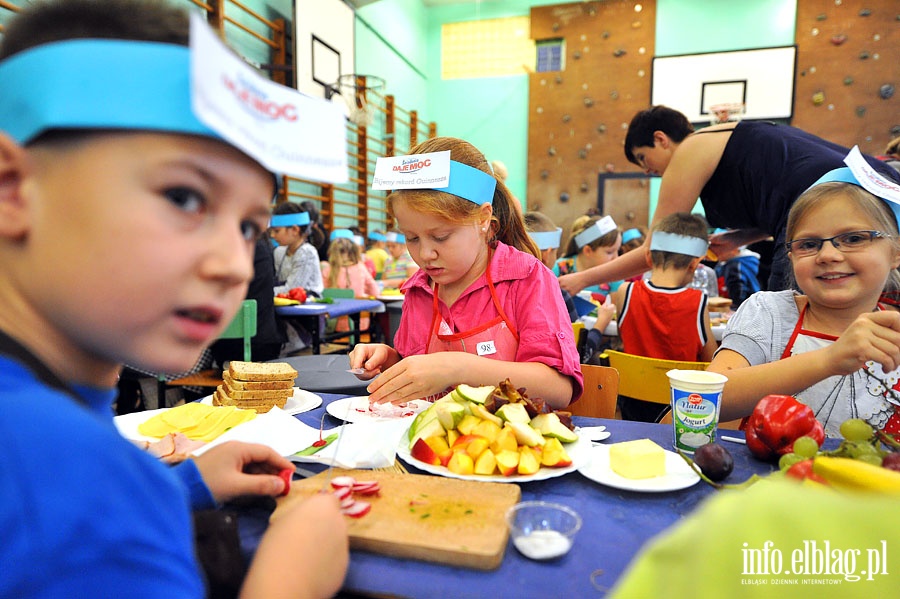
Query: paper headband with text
[(203, 90), (596, 231), (377, 237), (547, 240), (860, 173), (295, 219), (631, 234), (394, 237), (342, 234), (434, 171), (678, 244)]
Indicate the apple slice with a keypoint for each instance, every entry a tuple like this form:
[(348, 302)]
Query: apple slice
[(525, 435), (424, 453), (553, 455), (507, 462), (505, 440), (449, 414), (529, 461), (486, 463), (438, 443), (467, 424), (549, 425), (475, 394), (487, 429), (461, 463)]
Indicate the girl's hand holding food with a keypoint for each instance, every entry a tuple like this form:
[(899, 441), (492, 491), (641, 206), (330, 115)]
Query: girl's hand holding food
[(371, 359), (872, 336)]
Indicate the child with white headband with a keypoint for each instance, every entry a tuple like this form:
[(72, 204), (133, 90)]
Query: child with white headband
[(836, 343), (127, 234), (594, 240), (662, 317), (482, 306)]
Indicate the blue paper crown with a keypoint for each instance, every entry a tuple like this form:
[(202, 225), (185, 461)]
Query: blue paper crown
[(394, 237), (678, 244), (342, 234), (845, 175), (547, 240), (377, 237), (98, 84), (294, 219), (596, 231), (631, 234), (471, 184)]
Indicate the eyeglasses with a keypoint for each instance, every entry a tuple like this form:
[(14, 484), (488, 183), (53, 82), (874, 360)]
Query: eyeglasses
[(854, 241)]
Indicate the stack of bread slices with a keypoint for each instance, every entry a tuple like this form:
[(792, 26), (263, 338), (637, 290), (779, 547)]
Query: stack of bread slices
[(256, 385)]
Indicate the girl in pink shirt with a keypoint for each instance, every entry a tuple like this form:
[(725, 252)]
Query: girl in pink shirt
[(481, 293), (346, 270)]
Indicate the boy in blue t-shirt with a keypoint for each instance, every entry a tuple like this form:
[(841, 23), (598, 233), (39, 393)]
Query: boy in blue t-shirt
[(127, 230)]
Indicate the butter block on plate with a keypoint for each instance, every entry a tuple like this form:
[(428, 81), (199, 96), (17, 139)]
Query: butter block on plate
[(637, 459)]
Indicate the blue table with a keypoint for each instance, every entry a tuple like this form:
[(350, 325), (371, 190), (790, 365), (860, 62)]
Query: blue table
[(616, 525), (313, 312)]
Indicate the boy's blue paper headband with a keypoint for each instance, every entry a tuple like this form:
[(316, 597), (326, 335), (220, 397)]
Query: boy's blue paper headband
[(471, 184), (377, 237), (596, 231), (98, 84), (631, 234), (547, 240), (678, 244), (845, 175), (342, 234), (295, 219), (394, 237)]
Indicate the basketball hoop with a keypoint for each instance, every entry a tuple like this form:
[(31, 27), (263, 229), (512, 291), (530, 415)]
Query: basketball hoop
[(723, 113), (355, 91)]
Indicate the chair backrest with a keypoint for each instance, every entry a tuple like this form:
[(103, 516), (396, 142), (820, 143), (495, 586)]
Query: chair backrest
[(243, 326), (645, 378), (338, 293), (601, 390)]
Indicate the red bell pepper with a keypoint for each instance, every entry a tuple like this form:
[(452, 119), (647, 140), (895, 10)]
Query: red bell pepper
[(778, 421), (297, 293)]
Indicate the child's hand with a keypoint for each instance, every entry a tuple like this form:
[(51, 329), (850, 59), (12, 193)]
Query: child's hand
[(415, 377), (872, 336), (372, 358), (235, 468), (606, 312)]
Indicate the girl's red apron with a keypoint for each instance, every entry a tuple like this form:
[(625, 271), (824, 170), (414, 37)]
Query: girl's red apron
[(497, 338)]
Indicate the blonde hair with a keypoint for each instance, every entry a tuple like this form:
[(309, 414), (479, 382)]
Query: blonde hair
[(538, 222), (582, 223), (873, 207), (342, 253), (506, 221)]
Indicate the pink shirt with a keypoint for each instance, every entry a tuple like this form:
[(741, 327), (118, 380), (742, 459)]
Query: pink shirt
[(529, 294), (357, 278)]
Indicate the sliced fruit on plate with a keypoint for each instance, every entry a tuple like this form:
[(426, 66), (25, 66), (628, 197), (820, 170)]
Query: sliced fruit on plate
[(513, 412), (461, 463), (507, 462), (529, 461), (475, 394), (553, 455), (549, 425), (525, 435)]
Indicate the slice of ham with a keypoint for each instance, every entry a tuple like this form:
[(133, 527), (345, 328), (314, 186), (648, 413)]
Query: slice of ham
[(173, 448)]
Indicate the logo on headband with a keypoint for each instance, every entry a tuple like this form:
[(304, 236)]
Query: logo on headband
[(420, 171), (256, 101), (412, 165)]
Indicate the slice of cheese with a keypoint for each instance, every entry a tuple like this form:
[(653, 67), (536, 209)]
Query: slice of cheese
[(637, 459)]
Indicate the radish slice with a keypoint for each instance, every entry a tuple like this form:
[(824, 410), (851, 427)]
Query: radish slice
[(367, 488), (358, 509), (343, 481), (347, 503), (342, 493)]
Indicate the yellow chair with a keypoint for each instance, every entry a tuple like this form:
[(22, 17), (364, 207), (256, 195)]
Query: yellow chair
[(645, 378), (601, 390)]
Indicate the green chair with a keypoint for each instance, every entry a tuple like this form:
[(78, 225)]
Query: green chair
[(331, 323), (243, 326)]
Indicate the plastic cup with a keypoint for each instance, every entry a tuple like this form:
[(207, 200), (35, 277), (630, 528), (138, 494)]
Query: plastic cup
[(696, 401)]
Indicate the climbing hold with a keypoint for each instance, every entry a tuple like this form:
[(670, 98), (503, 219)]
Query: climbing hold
[(860, 111), (566, 118), (564, 197), (585, 186), (545, 173), (818, 98), (848, 80), (620, 52), (886, 91), (839, 39), (588, 102), (865, 12), (863, 55), (601, 128), (551, 151)]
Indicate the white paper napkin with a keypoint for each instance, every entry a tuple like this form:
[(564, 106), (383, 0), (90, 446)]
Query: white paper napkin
[(276, 428), (361, 445)]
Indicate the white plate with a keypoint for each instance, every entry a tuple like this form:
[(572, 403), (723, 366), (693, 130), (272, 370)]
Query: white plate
[(678, 474), (579, 451), (301, 401), (356, 409), (593, 433)]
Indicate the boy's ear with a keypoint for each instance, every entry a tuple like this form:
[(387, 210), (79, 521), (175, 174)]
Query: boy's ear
[(647, 257), (13, 204)]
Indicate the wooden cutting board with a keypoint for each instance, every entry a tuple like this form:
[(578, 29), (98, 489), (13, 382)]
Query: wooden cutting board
[(429, 518)]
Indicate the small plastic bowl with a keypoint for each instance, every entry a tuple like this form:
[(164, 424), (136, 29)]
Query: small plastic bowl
[(542, 530)]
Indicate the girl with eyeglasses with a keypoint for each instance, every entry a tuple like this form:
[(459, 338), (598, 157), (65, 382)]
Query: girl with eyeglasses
[(834, 342)]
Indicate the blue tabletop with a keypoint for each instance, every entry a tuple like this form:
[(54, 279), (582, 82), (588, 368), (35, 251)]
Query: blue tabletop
[(339, 307), (616, 525)]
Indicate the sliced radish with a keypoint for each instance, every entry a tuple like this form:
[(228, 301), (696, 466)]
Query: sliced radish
[(343, 481), (367, 487), (347, 503), (342, 492), (358, 509)]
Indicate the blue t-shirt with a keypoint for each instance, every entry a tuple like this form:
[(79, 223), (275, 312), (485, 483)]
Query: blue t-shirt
[(84, 512)]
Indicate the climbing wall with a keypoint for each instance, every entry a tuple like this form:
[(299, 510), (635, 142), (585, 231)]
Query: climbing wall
[(578, 116), (848, 65)]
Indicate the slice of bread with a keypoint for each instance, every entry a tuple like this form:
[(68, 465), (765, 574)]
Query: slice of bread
[(255, 393), (255, 385), (261, 371), (260, 405)]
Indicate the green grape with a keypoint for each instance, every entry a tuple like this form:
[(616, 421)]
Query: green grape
[(870, 458), (856, 429), (859, 449), (788, 460), (806, 447)]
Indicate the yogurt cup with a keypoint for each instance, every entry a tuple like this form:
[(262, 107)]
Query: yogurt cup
[(696, 402)]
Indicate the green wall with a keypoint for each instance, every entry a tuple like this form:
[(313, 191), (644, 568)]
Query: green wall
[(492, 112)]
